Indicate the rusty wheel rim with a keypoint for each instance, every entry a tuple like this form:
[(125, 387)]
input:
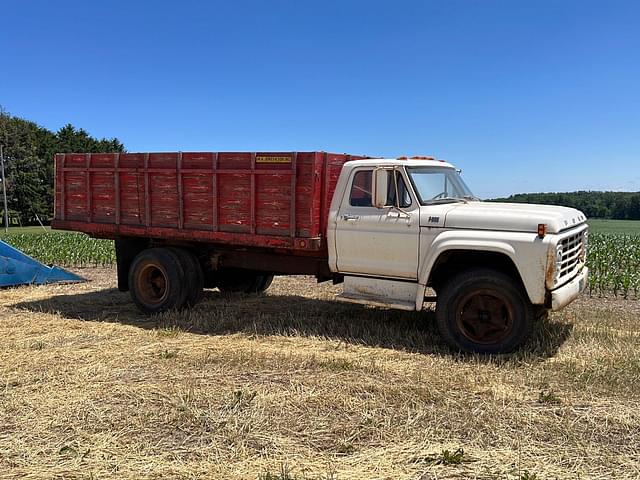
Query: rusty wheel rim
[(485, 317), (152, 285)]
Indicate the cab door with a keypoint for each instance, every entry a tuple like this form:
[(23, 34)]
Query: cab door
[(378, 241)]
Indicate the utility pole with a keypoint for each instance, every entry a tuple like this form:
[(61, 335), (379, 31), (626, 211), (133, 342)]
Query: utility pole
[(4, 192)]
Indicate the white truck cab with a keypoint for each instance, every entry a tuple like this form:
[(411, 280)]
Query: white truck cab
[(399, 226)]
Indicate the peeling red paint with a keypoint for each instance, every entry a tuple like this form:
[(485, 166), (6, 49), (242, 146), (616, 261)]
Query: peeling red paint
[(226, 197)]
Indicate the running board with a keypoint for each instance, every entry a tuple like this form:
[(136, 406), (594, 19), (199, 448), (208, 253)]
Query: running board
[(375, 302), (379, 292)]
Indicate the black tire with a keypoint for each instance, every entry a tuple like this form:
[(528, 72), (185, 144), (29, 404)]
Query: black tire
[(484, 311), (266, 282), (194, 278), (243, 281), (157, 281)]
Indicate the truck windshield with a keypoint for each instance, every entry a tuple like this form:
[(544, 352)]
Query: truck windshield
[(439, 185)]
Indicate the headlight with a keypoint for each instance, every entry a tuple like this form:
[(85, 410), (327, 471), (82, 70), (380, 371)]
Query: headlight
[(583, 251), (559, 255)]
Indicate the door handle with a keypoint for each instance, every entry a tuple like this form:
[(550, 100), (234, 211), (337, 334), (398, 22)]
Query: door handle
[(350, 218)]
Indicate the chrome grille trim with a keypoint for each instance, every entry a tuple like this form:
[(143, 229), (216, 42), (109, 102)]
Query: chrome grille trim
[(572, 262)]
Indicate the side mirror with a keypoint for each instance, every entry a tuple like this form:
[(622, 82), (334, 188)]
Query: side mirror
[(380, 185)]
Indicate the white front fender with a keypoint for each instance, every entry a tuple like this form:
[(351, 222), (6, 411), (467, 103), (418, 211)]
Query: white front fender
[(527, 251)]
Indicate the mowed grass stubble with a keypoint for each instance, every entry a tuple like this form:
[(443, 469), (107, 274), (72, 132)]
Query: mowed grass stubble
[(295, 385)]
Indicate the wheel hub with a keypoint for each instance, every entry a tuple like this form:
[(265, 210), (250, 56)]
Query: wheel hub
[(485, 317), (152, 284)]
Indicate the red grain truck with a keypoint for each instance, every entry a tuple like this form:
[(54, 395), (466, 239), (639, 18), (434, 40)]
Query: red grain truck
[(387, 228)]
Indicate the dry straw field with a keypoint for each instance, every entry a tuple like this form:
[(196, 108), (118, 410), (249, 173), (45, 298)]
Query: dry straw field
[(294, 385)]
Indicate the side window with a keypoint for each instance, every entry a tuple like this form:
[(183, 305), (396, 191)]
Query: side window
[(361, 189), (403, 192)]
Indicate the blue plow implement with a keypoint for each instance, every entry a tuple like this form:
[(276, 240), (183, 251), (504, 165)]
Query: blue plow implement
[(16, 268)]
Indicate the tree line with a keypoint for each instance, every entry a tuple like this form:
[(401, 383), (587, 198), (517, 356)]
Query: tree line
[(28, 151), (617, 205)]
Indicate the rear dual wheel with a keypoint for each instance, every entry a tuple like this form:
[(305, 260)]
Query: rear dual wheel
[(162, 279), (194, 278), (243, 281)]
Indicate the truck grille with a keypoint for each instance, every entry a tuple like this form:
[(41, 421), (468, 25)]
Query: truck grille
[(573, 255)]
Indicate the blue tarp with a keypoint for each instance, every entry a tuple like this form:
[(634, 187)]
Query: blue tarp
[(16, 268)]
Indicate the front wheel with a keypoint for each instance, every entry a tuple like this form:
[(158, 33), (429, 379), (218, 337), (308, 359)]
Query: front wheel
[(483, 311)]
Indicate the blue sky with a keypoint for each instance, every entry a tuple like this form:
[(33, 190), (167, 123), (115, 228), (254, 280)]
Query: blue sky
[(522, 95)]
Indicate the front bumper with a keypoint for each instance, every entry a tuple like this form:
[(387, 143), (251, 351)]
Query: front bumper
[(563, 296)]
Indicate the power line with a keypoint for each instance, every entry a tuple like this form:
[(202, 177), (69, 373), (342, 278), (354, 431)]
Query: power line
[(4, 191)]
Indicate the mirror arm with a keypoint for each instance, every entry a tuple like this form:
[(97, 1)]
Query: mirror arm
[(397, 202), (395, 186), (400, 210)]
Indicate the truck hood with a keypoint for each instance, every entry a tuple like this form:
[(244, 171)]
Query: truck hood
[(516, 217)]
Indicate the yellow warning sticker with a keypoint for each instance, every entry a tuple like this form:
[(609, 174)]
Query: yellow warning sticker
[(265, 159)]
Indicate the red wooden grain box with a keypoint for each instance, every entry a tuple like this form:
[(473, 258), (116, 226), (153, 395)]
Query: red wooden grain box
[(259, 199)]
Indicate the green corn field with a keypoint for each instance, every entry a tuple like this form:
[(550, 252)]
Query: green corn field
[(613, 259), (614, 263), (64, 248)]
